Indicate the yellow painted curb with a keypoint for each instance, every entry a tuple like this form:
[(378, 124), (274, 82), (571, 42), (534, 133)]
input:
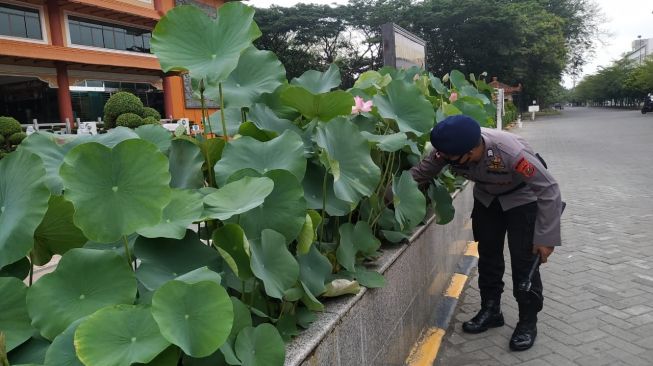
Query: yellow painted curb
[(426, 350), (472, 249), (456, 286)]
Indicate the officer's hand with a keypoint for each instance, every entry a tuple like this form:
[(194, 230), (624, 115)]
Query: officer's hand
[(543, 251)]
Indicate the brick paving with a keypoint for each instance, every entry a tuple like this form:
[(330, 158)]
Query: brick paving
[(598, 286)]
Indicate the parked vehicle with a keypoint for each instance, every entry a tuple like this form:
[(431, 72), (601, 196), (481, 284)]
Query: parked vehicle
[(648, 104)]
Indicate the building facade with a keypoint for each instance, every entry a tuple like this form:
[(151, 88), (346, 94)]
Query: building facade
[(641, 50), (60, 60)]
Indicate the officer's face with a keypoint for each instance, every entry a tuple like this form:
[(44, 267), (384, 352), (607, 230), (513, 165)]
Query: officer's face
[(454, 159)]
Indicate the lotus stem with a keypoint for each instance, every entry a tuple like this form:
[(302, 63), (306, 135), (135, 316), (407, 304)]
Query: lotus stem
[(31, 269), (129, 256), (324, 188), (205, 113), (224, 125)]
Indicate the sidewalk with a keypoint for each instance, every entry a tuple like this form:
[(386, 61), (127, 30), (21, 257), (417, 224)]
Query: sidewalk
[(598, 286)]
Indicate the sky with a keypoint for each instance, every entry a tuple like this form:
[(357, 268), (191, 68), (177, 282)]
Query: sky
[(624, 21)]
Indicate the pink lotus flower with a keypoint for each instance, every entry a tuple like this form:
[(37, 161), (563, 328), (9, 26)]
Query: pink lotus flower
[(361, 105), (453, 97)]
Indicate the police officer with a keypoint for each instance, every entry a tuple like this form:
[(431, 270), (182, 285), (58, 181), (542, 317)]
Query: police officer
[(513, 193)]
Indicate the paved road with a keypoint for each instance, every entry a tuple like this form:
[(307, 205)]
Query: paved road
[(598, 286)]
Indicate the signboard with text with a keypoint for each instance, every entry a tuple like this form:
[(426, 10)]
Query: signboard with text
[(402, 49)]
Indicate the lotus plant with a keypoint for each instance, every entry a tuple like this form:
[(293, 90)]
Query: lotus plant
[(216, 251)]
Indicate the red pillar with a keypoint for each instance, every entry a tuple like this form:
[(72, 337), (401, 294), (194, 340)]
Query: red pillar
[(63, 95), (63, 91), (168, 97)]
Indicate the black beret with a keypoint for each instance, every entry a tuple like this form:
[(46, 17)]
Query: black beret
[(456, 135)]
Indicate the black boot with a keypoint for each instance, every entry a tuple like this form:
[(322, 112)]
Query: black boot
[(523, 337), (489, 316), (526, 329)]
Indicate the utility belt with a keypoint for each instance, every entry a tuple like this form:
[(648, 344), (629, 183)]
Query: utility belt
[(522, 184)]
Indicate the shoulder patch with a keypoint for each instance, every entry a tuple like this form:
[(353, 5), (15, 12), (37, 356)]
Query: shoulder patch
[(525, 168)]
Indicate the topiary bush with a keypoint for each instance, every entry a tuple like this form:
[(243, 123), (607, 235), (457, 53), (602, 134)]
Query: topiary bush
[(150, 121), (151, 112), (2, 140), (9, 126), (17, 138), (120, 103), (130, 120)]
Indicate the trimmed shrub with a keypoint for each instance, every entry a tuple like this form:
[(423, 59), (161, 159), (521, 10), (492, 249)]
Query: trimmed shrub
[(120, 103), (149, 120), (2, 140), (3, 154), (130, 120), (151, 112), (9, 126), (17, 138)]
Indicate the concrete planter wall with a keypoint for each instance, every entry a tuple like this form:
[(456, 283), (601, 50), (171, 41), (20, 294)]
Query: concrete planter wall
[(379, 326)]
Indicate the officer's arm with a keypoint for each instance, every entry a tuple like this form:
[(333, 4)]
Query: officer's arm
[(549, 203), (427, 169)]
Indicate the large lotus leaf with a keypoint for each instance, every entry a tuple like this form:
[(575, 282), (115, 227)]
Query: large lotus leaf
[(310, 301), (284, 152), (314, 270), (274, 102), (163, 260), (52, 155), (185, 207), (370, 81), (265, 119), (445, 111), (186, 162), (216, 359), (355, 174), (200, 275), (234, 248), (109, 139), (233, 117), (324, 106), (249, 129), (273, 263), (14, 320), (319, 82), (157, 135), (458, 79), (473, 108), (436, 83), (57, 233), (409, 202), (388, 143), (186, 39), (260, 346), (196, 317), (242, 319), (355, 239), (284, 210), (370, 279), (169, 357), (116, 191), (238, 197), (30, 353), (23, 203), (442, 202), (85, 280), (119, 335), (19, 269), (405, 104), (62, 351), (257, 72), (313, 192)]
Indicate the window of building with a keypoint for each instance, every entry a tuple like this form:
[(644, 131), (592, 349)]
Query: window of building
[(17, 21), (93, 33)]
